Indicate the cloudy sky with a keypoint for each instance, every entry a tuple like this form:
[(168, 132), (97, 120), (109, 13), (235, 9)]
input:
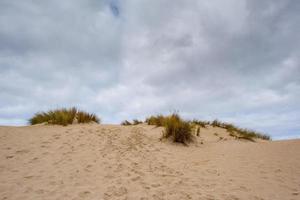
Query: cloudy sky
[(235, 60)]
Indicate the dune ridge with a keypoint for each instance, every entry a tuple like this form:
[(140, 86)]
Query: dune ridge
[(94, 161)]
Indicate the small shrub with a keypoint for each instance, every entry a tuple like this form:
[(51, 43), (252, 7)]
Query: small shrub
[(126, 123), (158, 120), (178, 129), (136, 122), (240, 133), (216, 123), (63, 117), (84, 117), (203, 124)]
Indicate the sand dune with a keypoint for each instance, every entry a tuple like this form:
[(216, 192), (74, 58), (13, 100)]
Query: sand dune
[(117, 162)]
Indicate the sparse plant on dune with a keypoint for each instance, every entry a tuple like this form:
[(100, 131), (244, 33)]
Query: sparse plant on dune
[(158, 120), (136, 122), (216, 123), (126, 123), (203, 124), (240, 133), (174, 127), (63, 117), (178, 129), (84, 117)]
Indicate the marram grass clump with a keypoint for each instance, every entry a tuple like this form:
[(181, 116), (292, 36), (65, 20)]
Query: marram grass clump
[(128, 123), (200, 123), (240, 133), (63, 117), (158, 120), (178, 129), (174, 127)]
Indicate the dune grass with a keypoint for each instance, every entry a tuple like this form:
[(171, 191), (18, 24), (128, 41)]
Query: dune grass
[(128, 123), (63, 117), (237, 132), (174, 127), (157, 120), (240, 133), (136, 122), (84, 117), (178, 129), (202, 124)]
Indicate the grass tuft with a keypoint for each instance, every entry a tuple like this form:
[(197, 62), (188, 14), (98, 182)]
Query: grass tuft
[(136, 122), (200, 123), (240, 133), (174, 127), (84, 117), (178, 129), (158, 120), (63, 117), (126, 123)]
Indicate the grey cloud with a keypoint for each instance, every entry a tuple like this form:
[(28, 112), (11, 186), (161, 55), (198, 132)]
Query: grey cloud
[(237, 61)]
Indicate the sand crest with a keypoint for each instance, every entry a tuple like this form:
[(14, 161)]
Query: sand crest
[(131, 162)]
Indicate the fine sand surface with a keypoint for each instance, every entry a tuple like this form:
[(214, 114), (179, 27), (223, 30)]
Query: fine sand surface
[(117, 162)]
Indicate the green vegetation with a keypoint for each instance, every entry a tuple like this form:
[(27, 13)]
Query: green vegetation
[(240, 133), (63, 117), (84, 117), (202, 124), (175, 127), (158, 120), (178, 129), (136, 122), (128, 123)]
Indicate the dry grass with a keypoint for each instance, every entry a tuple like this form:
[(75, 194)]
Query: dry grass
[(128, 123), (158, 120), (240, 133), (178, 129), (84, 117), (136, 122), (63, 117), (203, 124)]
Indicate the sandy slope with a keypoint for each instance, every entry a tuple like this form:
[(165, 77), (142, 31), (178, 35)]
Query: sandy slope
[(117, 162)]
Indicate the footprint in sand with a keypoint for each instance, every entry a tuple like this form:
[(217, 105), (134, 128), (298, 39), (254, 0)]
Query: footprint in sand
[(23, 151), (33, 159), (136, 178), (115, 192), (84, 194), (9, 157), (28, 177), (155, 185)]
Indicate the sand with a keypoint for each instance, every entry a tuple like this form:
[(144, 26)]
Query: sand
[(117, 162)]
